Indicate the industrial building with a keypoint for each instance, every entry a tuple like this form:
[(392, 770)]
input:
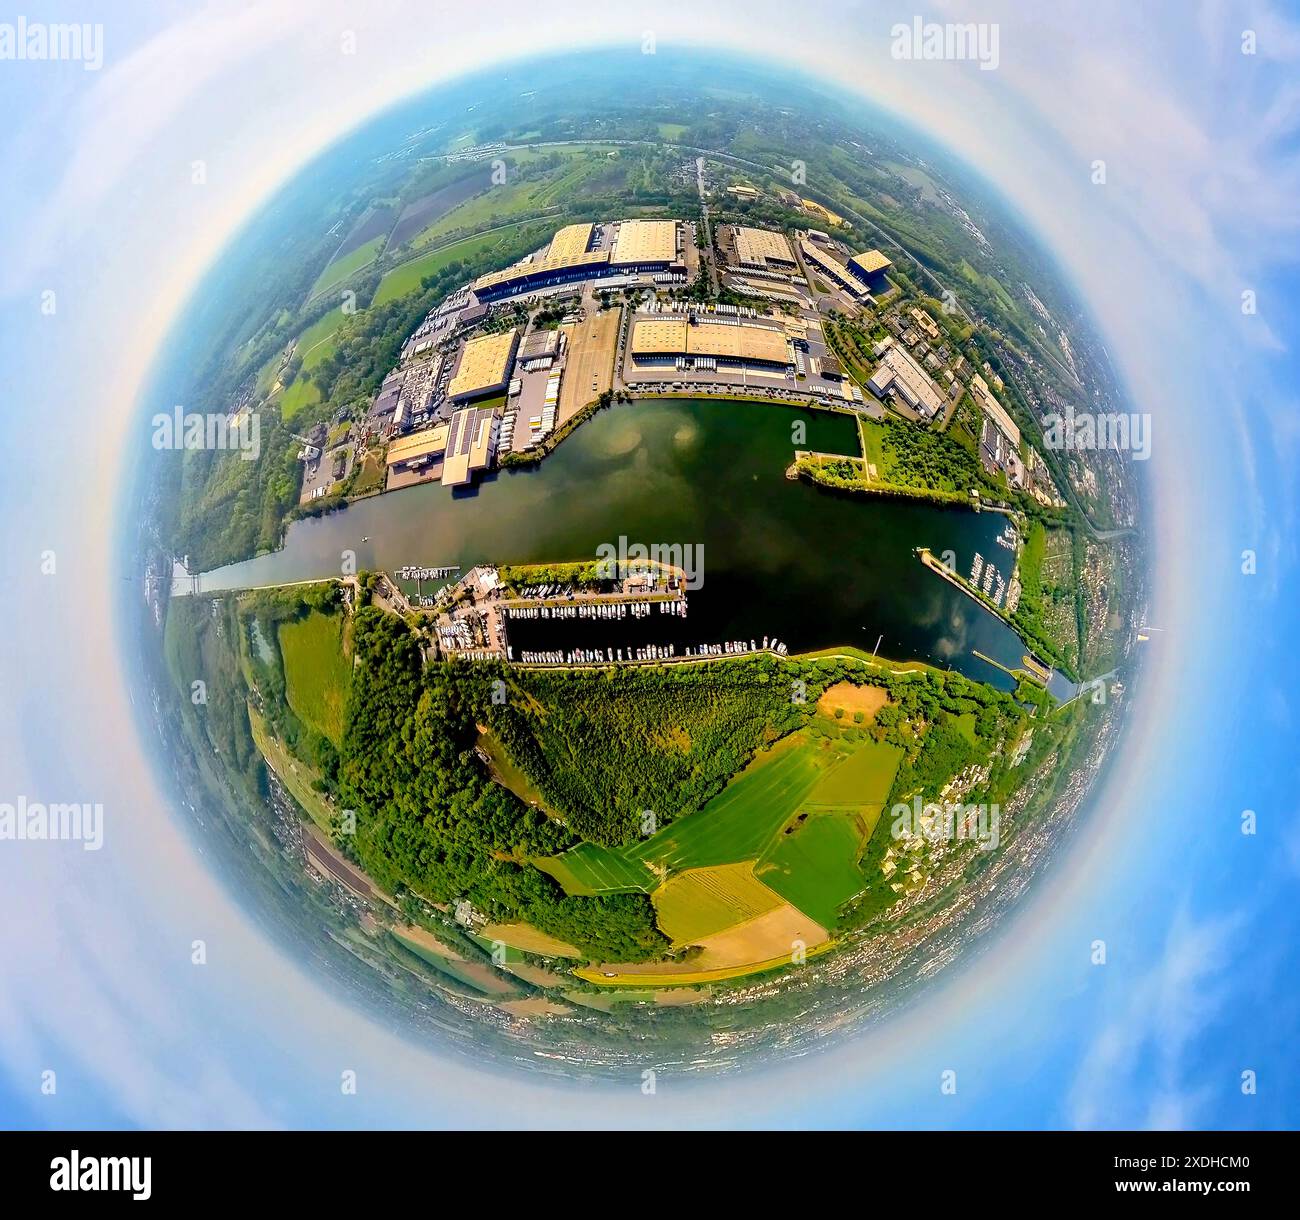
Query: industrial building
[(645, 245), (994, 410), (484, 369), (471, 444), (763, 250), (539, 350), (418, 449), (659, 338), (833, 269), (540, 271), (900, 373), (571, 242), (870, 267), (926, 324), (638, 245)]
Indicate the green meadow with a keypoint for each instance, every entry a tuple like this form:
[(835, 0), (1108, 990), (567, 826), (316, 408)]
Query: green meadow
[(342, 269), (317, 674)]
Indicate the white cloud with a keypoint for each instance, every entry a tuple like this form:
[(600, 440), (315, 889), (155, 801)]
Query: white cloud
[(1137, 1070)]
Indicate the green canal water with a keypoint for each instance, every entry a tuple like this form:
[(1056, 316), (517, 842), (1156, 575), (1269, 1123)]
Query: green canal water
[(782, 559)]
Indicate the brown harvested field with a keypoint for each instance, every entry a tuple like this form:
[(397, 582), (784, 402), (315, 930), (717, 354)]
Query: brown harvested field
[(853, 698), (485, 978), (426, 939), (529, 939), (765, 941), (536, 975), (589, 364), (534, 1006), (764, 938)]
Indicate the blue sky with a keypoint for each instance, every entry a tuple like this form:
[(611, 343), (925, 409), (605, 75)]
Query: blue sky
[(1200, 205)]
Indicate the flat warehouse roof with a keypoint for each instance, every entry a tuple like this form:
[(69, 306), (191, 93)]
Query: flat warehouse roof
[(759, 245), (738, 342), (645, 241), (570, 241), (545, 265), (674, 336), (870, 260), (652, 336), (484, 364), (469, 446), (418, 444)]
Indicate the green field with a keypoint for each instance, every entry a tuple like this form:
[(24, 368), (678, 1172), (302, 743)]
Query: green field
[(407, 276), (738, 823), (840, 785), (814, 865), (342, 268), (862, 779), (316, 671), (590, 869), (517, 197), (496, 206), (315, 344)]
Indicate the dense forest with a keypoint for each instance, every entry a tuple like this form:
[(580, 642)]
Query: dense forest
[(603, 745), (429, 817)]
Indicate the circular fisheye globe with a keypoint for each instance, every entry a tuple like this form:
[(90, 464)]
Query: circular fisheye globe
[(642, 563)]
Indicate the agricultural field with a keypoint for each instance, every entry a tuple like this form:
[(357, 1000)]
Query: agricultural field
[(347, 265), (317, 673), (590, 869), (315, 345), (418, 215), (738, 823), (475, 201), (476, 975), (754, 947), (847, 699), (863, 779), (730, 864), (814, 865), (703, 901), (527, 938), (406, 277)]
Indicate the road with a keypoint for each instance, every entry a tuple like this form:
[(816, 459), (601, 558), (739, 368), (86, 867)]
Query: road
[(706, 252)]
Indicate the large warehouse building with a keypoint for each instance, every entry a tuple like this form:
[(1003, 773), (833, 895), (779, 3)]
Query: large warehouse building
[(471, 444), (637, 245), (542, 271), (833, 269), (661, 338), (994, 410), (763, 250), (645, 245), (900, 373), (484, 367), (418, 449), (870, 267)]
